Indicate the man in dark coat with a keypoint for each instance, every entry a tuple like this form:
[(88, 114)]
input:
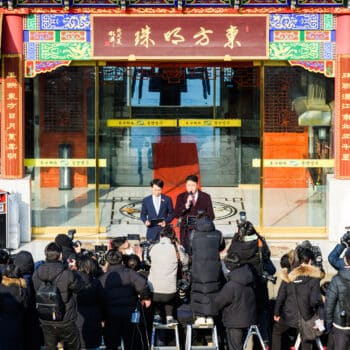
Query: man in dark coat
[(237, 299), (122, 287), (337, 306), (68, 283), (299, 296), (206, 268), (156, 211), (188, 205)]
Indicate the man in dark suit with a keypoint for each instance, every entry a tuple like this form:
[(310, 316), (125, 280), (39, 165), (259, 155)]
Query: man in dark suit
[(188, 204), (157, 210)]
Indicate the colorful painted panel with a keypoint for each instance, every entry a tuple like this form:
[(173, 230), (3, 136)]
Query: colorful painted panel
[(265, 3), (302, 37), (207, 3), (57, 22), (40, 3), (320, 3), (95, 3), (324, 67), (302, 21), (179, 37), (152, 3), (301, 50), (32, 68), (57, 51)]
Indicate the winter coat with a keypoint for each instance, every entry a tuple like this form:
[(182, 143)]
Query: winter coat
[(237, 299), (90, 303), (334, 257), (13, 301), (337, 291), (302, 283), (121, 287), (66, 281), (258, 260), (206, 266), (164, 266)]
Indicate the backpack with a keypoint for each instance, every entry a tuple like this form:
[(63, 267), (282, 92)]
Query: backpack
[(49, 303)]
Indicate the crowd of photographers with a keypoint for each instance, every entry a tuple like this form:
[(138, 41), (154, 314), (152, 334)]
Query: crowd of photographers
[(86, 299)]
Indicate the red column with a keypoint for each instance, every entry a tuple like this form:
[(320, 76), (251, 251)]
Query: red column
[(12, 104)]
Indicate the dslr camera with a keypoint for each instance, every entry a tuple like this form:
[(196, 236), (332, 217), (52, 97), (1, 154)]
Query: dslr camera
[(100, 253), (345, 239)]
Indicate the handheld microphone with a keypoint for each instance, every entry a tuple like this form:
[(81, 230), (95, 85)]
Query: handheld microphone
[(191, 194)]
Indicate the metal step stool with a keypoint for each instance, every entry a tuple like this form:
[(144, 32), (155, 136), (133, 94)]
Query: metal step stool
[(168, 327), (214, 336), (254, 330), (298, 343)]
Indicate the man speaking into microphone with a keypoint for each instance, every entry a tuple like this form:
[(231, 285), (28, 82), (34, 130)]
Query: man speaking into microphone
[(188, 204)]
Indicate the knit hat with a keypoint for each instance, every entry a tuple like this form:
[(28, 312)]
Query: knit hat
[(63, 240), (24, 262)]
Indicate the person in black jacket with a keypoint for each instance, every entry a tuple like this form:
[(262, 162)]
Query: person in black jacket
[(68, 284), (337, 306), (252, 249), (13, 301), (90, 302), (299, 296), (122, 288), (206, 269), (33, 336), (237, 299)]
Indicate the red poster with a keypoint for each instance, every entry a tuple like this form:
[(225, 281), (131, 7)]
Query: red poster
[(227, 37), (342, 119), (11, 118)]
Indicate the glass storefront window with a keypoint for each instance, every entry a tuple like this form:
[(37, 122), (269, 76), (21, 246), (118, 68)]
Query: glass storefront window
[(297, 144), (171, 111)]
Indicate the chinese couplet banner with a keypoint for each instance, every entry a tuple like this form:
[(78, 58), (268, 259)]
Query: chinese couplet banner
[(12, 117), (342, 118), (180, 37)]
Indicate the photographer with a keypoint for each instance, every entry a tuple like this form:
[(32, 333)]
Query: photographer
[(165, 258), (334, 256), (252, 249)]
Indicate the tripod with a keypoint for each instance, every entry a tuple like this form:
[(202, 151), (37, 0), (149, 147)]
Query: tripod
[(254, 330)]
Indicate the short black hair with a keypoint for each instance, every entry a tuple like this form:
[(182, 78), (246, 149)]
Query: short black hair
[(118, 242), (86, 264), (306, 255), (132, 261), (53, 252), (12, 271), (168, 231), (192, 177), (157, 182)]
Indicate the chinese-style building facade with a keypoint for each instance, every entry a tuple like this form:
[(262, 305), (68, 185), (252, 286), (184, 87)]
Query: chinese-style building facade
[(100, 96)]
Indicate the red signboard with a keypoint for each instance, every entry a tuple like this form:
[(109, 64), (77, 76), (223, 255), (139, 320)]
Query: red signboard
[(11, 117), (342, 120), (227, 37)]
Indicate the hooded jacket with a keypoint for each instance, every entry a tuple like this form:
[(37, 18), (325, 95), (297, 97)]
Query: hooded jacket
[(336, 292), (299, 290), (206, 270), (237, 299), (121, 287), (66, 281)]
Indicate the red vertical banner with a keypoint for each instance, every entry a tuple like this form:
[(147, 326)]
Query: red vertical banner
[(12, 117)]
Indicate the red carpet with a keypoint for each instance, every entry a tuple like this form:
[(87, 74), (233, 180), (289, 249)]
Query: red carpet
[(173, 161)]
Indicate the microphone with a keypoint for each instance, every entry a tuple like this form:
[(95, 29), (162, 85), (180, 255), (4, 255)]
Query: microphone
[(191, 194)]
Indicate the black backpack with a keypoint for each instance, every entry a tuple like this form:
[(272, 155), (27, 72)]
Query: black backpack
[(49, 303)]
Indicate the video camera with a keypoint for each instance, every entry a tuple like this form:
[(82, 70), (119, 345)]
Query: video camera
[(100, 253), (316, 251)]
